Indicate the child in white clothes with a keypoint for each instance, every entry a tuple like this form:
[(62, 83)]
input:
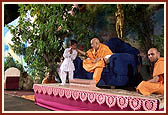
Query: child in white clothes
[(67, 65)]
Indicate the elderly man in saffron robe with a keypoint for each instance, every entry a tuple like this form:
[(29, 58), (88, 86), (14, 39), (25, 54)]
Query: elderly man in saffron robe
[(156, 84), (96, 58)]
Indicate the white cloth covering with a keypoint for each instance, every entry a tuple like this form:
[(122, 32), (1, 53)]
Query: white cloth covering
[(67, 65)]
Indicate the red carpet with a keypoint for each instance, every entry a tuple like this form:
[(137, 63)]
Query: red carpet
[(27, 94)]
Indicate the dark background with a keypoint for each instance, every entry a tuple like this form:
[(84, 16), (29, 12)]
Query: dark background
[(10, 12)]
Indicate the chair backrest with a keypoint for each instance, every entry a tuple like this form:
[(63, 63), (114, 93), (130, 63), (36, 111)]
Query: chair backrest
[(12, 76), (116, 45), (12, 72)]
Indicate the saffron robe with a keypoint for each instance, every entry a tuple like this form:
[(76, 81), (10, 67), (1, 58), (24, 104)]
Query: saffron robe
[(97, 68), (147, 88), (46, 81)]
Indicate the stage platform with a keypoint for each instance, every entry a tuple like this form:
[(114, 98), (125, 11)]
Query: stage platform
[(81, 98)]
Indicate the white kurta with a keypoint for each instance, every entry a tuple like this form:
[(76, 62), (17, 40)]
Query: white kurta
[(67, 64)]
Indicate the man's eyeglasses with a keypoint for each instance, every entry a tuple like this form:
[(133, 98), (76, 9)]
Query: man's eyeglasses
[(151, 54)]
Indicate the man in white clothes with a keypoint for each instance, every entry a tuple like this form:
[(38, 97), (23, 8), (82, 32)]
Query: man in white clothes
[(67, 65)]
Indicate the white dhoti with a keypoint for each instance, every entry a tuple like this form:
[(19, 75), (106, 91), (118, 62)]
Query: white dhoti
[(64, 75)]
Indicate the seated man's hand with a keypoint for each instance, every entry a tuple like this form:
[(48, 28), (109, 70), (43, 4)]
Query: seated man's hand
[(88, 58), (154, 79), (97, 59)]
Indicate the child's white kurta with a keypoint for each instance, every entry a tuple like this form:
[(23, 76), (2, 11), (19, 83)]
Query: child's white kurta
[(67, 65)]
